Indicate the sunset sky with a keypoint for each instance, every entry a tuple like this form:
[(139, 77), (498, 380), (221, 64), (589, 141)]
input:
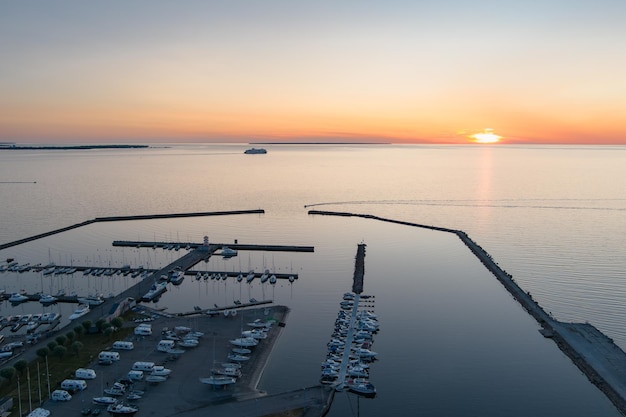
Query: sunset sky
[(244, 71)]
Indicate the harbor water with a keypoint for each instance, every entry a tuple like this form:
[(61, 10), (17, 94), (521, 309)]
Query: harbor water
[(452, 340)]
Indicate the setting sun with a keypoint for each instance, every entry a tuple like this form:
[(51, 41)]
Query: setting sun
[(487, 136)]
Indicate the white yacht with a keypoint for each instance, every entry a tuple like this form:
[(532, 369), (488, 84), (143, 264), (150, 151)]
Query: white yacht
[(18, 298), (92, 300), (244, 342), (80, 311), (156, 290), (228, 252)]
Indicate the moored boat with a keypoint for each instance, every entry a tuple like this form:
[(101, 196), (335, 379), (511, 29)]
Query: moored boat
[(218, 380), (361, 387), (122, 410), (80, 311), (155, 291), (104, 400)]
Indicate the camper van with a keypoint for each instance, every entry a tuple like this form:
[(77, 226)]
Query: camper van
[(135, 375), (82, 373), (143, 330), (122, 345), (109, 356), (60, 395), (165, 345), (143, 366), (74, 384)]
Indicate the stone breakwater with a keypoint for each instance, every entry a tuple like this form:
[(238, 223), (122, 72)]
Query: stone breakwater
[(595, 354)]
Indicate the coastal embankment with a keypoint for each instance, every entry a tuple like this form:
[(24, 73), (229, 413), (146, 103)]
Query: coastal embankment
[(595, 354)]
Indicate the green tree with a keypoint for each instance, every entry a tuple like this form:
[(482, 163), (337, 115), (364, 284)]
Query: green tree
[(100, 323), (60, 351), (77, 347), (70, 336), (8, 373), (108, 331), (86, 325), (105, 326), (43, 352), (20, 365), (51, 345), (117, 322), (61, 340), (79, 330)]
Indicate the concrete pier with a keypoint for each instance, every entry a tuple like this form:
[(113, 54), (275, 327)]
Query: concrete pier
[(595, 354)]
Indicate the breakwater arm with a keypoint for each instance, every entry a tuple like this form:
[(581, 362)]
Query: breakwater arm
[(124, 218), (595, 354)]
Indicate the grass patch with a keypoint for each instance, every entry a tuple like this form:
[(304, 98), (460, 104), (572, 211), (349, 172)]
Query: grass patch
[(59, 368)]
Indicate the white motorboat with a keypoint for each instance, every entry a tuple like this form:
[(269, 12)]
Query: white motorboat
[(116, 390), (265, 276), (218, 380), (255, 334), (177, 277), (155, 379), (188, 343), (242, 351), (231, 372), (155, 291), (47, 299), (361, 387), (237, 357), (273, 279), (80, 311), (244, 342), (231, 365), (104, 400), (18, 298), (122, 410), (258, 324), (92, 300), (250, 277), (159, 370), (228, 252)]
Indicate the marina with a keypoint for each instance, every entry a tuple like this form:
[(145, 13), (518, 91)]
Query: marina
[(351, 376)]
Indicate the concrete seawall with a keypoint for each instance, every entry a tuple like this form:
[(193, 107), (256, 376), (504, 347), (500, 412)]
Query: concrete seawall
[(595, 354)]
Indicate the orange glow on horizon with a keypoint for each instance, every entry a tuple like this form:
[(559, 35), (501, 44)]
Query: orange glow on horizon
[(487, 136)]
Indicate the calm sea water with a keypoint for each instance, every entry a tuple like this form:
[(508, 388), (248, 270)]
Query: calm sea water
[(453, 342)]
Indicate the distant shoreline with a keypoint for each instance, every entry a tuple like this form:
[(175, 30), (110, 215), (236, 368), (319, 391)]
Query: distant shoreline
[(69, 147), (319, 143)]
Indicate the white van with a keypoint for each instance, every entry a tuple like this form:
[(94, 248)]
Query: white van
[(74, 384), (143, 331), (123, 345), (165, 345), (60, 395), (109, 356), (82, 373), (135, 375), (143, 366)]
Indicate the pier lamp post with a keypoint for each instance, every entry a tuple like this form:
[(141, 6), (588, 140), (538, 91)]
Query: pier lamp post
[(19, 395)]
